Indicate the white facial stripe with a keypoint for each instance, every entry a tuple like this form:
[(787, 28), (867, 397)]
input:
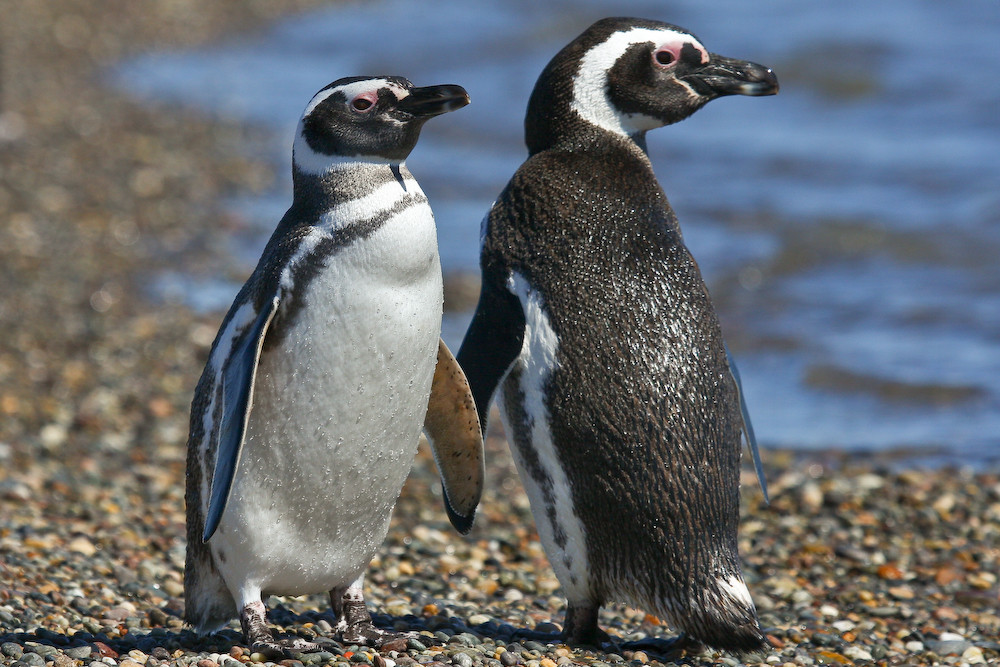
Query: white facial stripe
[(309, 161), (590, 94), (352, 90)]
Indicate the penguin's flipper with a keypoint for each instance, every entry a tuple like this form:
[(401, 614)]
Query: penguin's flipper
[(238, 376), (748, 428), (492, 343), (456, 439)]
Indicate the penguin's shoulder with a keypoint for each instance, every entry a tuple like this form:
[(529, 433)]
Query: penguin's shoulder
[(571, 179)]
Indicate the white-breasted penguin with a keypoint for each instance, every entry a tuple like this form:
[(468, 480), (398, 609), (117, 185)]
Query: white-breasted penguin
[(615, 389), (306, 419)]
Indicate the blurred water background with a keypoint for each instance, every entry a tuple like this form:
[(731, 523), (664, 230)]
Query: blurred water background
[(849, 228)]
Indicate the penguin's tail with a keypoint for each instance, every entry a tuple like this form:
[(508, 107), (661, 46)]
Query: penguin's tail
[(719, 613), (725, 618), (208, 604)]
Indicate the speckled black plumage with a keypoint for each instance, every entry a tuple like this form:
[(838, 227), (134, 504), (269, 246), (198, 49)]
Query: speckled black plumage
[(642, 408)]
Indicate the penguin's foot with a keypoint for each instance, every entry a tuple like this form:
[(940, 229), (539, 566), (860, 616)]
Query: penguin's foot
[(260, 640), (283, 648), (355, 627), (582, 629)]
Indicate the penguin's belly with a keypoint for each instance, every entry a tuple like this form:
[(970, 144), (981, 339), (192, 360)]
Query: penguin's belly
[(645, 455), (338, 408)]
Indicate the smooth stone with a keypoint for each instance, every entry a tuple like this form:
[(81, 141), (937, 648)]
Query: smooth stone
[(948, 647), (33, 660), (79, 652), (12, 650)]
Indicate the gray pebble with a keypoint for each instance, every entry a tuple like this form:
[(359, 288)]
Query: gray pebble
[(415, 645), (823, 639), (462, 660), (33, 660), (948, 647), (41, 649), (79, 652), (509, 658), (11, 650)]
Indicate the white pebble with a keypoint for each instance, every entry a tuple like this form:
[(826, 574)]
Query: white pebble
[(513, 595), (974, 656), (857, 653), (829, 610)]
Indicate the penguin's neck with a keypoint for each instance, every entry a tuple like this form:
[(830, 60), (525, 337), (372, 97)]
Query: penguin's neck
[(356, 185), (571, 132)]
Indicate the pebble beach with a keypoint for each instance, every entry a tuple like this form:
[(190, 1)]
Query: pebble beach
[(858, 560)]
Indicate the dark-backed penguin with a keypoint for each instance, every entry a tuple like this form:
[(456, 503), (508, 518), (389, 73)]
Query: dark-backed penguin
[(616, 392), (306, 419)]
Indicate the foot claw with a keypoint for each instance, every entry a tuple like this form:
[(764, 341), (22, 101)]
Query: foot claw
[(368, 635), (284, 648)]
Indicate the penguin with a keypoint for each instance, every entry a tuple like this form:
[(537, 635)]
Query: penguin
[(329, 363), (624, 415)]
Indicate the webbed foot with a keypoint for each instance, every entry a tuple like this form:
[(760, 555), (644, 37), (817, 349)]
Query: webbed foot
[(260, 639)]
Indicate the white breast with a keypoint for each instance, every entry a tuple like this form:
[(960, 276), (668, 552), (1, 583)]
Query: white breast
[(338, 408)]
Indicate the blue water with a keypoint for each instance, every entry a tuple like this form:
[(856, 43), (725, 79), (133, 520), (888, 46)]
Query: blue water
[(849, 228)]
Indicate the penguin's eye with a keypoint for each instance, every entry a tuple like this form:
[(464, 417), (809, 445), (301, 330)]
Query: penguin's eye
[(666, 56), (362, 103)]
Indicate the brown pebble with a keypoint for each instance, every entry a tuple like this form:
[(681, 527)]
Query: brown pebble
[(105, 651), (207, 663), (946, 575), (395, 645), (901, 592), (890, 572), (946, 614)]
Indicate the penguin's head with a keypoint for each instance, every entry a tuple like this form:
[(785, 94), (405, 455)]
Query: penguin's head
[(627, 76), (368, 118)]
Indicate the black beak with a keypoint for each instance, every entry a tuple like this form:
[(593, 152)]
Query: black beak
[(728, 76), (433, 100)]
